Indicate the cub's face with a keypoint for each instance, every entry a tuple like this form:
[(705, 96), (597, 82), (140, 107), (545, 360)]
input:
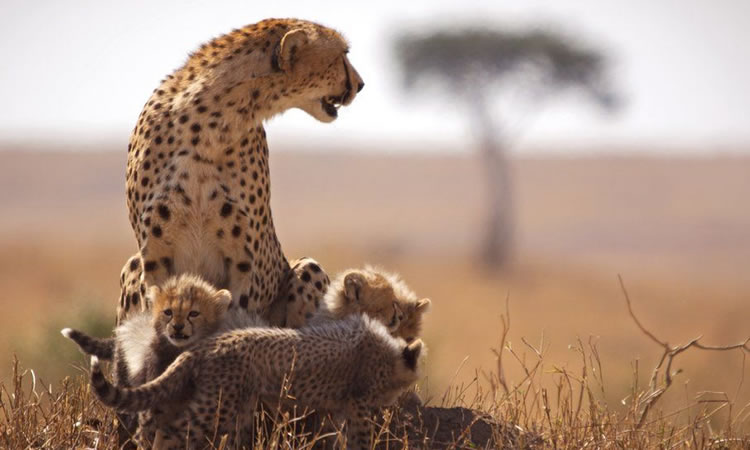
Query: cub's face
[(410, 325), (375, 295), (186, 311), (315, 60)]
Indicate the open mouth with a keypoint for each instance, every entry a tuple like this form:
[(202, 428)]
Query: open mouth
[(331, 105), (180, 337)]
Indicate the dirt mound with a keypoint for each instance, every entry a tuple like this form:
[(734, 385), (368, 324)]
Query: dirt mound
[(435, 427)]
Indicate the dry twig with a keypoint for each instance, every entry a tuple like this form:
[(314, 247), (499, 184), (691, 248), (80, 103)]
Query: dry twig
[(670, 352)]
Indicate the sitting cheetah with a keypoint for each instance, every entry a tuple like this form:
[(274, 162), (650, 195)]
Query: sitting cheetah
[(197, 175), (347, 368)]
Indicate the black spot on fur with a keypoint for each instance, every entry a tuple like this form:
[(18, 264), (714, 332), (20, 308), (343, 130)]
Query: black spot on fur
[(163, 212), (167, 263)]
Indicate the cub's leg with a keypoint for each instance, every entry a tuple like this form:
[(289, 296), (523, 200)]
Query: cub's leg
[(303, 291), (359, 428)]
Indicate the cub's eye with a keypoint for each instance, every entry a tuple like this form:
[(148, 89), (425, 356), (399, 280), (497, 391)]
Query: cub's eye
[(168, 312), (194, 314)]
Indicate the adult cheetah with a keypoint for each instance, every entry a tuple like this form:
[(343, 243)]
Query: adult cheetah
[(197, 175)]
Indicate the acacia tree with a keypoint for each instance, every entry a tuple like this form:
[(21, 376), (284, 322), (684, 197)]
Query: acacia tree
[(476, 67)]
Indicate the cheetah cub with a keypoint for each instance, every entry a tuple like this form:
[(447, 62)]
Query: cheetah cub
[(381, 295), (185, 309), (347, 368)]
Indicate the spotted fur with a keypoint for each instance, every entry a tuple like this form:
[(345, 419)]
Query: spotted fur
[(382, 295), (198, 184), (347, 368), (185, 309)]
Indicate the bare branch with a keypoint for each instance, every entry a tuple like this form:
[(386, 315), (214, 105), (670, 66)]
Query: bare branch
[(649, 399), (632, 314)]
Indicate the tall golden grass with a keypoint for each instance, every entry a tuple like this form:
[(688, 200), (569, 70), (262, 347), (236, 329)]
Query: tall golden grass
[(576, 366)]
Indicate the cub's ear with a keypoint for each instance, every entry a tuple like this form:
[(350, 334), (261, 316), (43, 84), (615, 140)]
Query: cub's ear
[(423, 305), (411, 354), (223, 298), (353, 283), (289, 47)]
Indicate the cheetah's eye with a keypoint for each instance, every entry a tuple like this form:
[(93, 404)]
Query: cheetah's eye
[(168, 312), (194, 314)]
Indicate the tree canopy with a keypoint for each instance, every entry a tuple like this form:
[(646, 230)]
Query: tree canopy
[(475, 58)]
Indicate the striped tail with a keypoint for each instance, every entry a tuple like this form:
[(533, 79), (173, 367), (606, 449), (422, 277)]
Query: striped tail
[(165, 387), (103, 348)]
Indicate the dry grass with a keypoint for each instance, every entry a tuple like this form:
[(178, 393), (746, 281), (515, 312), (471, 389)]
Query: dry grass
[(576, 367), (550, 407)]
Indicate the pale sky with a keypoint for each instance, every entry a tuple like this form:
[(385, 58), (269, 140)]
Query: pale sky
[(79, 69)]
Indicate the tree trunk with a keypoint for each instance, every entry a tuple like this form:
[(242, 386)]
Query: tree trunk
[(497, 243)]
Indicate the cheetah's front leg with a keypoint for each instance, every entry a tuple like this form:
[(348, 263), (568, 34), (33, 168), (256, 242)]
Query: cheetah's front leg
[(302, 291), (158, 260), (132, 291)]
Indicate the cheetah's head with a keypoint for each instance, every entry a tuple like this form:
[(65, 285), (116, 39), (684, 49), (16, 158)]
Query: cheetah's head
[(187, 308), (314, 58), (382, 296)]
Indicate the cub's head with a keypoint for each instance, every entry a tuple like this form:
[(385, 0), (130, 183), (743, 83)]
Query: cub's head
[(187, 308), (382, 296)]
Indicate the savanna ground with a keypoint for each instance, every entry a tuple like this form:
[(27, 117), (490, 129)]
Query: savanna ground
[(677, 230)]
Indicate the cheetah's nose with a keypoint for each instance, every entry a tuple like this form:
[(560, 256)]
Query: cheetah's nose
[(360, 86), (179, 327)]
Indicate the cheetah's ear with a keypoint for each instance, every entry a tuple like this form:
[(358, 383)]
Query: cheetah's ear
[(423, 305), (411, 354), (353, 283), (289, 48), (223, 299)]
